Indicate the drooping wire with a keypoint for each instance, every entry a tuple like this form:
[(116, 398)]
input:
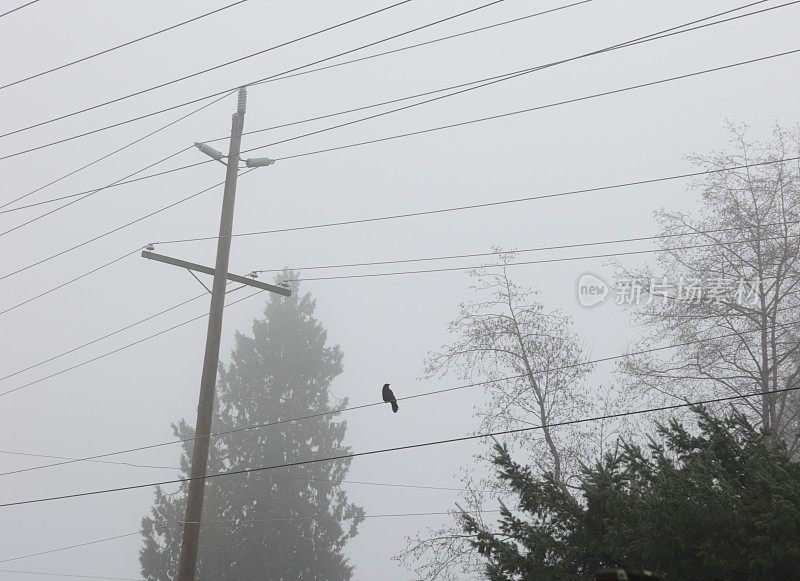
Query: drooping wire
[(566, 193), (275, 76), (7, 12), (117, 47), (185, 77), (325, 413), (471, 85), (423, 271), (402, 448), (121, 181)]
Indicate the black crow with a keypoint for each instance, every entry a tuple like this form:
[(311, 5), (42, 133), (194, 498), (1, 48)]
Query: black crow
[(388, 397)]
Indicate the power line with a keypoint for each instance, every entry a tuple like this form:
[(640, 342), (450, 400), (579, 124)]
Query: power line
[(140, 92), (504, 76), (393, 51), (317, 118), (466, 87), (70, 575), (367, 516), (104, 157), (526, 250), (520, 111), (405, 447), (100, 236), (91, 193), (491, 80), (271, 476), (70, 281), (113, 230), (386, 262), (113, 48), (116, 463), (106, 187), (380, 403), (587, 97), (284, 73), (98, 339), (124, 179), (118, 349), (331, 517), (526, 262), (485, 204), (76, 546), (367, 220), (18, 8), (436, 40), (204, 71)]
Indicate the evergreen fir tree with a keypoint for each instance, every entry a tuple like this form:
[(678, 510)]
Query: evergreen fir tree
[(717, 503), (282, 524)]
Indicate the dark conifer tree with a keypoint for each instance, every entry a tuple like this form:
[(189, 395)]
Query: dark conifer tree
[(282, 524)]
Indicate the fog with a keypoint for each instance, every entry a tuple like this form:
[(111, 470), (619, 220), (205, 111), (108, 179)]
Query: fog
[(385, 325)]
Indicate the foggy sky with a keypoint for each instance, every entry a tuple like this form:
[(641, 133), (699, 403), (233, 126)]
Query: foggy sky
[(385, 325)]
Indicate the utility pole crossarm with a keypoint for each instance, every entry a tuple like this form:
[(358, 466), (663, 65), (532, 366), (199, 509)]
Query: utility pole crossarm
[(208, 270)]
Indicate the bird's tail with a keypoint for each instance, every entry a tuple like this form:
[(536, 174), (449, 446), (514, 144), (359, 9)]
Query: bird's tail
[(395, 407)]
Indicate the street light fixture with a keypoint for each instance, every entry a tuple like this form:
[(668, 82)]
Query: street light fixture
[(258, 162)]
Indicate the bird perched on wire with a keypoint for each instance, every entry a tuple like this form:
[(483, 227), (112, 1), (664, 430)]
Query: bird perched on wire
[(388, 397)]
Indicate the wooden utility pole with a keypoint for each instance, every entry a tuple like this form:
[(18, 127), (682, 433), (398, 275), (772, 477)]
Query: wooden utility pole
[(187, 566)]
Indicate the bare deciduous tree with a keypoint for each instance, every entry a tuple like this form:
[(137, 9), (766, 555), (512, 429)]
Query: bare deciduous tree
[(726, 283), (533, 365), (532, 361)]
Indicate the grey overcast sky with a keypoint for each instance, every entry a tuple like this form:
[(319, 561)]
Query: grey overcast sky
[(385, 325)]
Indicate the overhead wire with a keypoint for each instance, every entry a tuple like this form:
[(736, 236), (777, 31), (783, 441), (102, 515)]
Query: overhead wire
[(449, 126), (119, 182), (115, 229), (101, 338), (276, 76), (7, 12), (486, 81), (401, 216), (67, 548), (423, 259), (518, 111), (69, 282), (119, 46), (17, 208), (70, 575), (523, 263), (588, 362), (356, 275), (111, 462), (253, 521), (332, 517), (7, 275), (107, 186), (381, 274), (480, 205), (271, 476), (504, 76), (550, 105), (122, 348), (526, 250), (323, 130), (394, 51), (140, 92), (91, 193), (402, 448)]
